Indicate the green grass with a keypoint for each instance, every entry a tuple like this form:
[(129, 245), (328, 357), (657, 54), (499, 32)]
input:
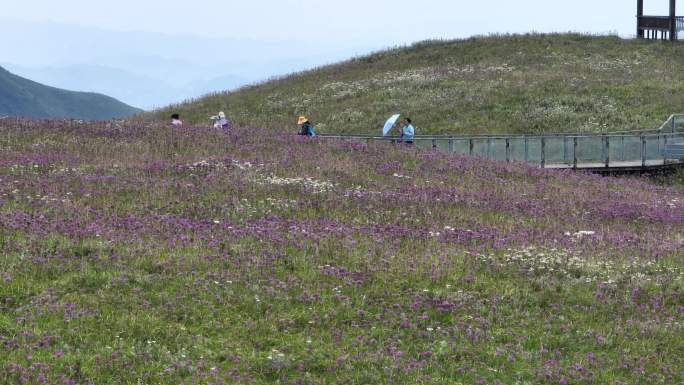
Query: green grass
[(519, 83), (148, 255)]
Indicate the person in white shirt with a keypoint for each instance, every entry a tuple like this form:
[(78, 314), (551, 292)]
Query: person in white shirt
[(176, 121), (220, 121)]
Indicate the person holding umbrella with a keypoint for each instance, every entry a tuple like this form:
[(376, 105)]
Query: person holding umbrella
[(408, 132)]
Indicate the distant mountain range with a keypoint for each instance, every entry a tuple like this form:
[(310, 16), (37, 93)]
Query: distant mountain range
[(26, 98), (139, 90), (149, 70)]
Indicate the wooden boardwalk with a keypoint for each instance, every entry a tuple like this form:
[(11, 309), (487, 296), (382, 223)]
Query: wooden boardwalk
[(619, 166), (624, 164), (642, 151)]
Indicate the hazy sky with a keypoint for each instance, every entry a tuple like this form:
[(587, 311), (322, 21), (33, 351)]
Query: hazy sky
[(390, 21)]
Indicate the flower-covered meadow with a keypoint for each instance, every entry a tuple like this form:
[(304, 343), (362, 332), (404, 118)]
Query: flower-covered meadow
[(141, 254)]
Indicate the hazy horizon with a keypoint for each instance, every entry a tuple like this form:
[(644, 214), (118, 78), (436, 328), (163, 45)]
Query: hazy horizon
[(148, 69), (391, 22), (159, 52)]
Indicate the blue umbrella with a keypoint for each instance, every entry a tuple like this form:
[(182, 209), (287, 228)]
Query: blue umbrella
[(389, 124)]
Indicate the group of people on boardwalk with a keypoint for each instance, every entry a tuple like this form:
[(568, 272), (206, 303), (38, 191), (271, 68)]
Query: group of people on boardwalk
[(306, 127)]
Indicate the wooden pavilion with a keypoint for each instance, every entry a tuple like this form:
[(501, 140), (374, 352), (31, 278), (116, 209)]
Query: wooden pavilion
[(659, 27)]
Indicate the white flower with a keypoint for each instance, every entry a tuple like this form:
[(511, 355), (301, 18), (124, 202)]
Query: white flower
[(400, 176)]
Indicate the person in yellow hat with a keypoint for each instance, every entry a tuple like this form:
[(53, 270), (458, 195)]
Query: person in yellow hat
[(305, 126)]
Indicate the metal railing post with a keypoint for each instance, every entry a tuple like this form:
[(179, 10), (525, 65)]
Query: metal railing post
[(527, 157), (451, 144), (622, 153), (543, 152), (607, 149), (643, 151), (508, 149), (574, 153), (603, 147), (565, 149), (470, 146), (434, 143), (489, 147)]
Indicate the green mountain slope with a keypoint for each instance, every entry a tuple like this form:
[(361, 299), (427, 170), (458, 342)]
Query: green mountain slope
[(530, 83), (26, 98)]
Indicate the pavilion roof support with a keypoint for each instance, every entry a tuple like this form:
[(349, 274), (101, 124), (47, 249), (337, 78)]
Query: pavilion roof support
[(640, 13), (673, 20), (653, 25)]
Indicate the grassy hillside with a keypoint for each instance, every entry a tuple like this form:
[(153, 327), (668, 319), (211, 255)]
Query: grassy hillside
[(152, 255), (25, 98), (531, 83)]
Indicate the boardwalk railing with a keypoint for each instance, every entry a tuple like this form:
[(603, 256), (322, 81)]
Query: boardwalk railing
[(629, 149)]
